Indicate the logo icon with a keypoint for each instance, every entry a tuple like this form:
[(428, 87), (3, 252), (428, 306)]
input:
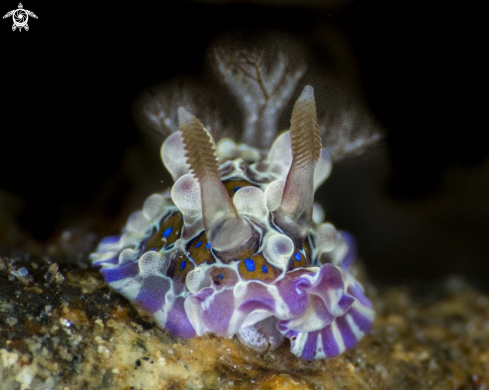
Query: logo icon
[(20, 16)]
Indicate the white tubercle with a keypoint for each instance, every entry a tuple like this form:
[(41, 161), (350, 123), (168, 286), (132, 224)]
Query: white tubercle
[(128, 254), (323, 169), (185, 193), (248, 153), (278, 249), (251, 201), (153, 263), (273, 194), (317, 213), (131, 239), (226, 149), (198, 278), (155, 206), (339, 250), (280, 154), (173, 155), (326, 237), (138, 222)]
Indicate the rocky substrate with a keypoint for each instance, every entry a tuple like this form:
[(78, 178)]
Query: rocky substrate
[(62, 328)]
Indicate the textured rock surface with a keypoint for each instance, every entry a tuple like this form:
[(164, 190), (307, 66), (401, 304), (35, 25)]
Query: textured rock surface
[(62, 328)]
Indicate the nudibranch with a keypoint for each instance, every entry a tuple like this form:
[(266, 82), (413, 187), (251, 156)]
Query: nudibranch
[(238, 247)]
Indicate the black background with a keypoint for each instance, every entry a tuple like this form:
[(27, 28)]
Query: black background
[(69, 82)]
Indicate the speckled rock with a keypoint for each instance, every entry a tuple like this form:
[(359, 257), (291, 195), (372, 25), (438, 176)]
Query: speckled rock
[(62, 328)]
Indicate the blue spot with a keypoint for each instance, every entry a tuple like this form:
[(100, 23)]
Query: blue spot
[(182, 266), (154, 249), (207, 246), (297, 256), (249, 264), (264, 268), (220, 276), (167, 232), (198, 244), (236, 189)]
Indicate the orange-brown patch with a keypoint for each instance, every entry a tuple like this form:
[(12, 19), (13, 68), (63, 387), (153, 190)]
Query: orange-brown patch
[(199, 250), (234, 185), (180, 266), (256, 267), (168, 232), (301, 257)]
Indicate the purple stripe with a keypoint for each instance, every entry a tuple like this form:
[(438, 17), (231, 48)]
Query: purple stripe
[(257, 297), (263, 304), (112, 260), (357, 292), (346, 333), (309, 351), (363, 322), (127, 270), (321, 310), (329, 278), (282, 327), (294, 294), (352, 250), (345, 302), (217, 316), (109, 240), (330, 346), (177, 323), (151, 297), (291, 333)]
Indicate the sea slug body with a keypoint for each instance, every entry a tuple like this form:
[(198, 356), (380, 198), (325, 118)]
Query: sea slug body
[(238, 247)]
